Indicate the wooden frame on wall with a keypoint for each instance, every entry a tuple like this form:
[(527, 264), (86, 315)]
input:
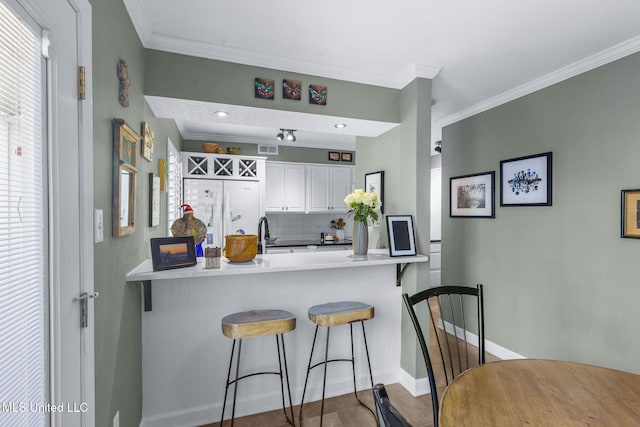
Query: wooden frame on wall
[(123, 193), (630, 214)]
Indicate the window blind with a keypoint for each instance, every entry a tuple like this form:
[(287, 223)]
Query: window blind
[(174, 185), (23, 354)]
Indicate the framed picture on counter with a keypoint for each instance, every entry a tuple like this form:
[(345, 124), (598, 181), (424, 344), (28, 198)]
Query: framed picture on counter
[(172, 252), (402, 241), (630, 224)]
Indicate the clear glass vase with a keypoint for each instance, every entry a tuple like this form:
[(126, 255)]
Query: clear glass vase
[(360, 242)]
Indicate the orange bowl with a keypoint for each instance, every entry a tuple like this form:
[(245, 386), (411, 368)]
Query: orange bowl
[(210, 147), (240, 247)]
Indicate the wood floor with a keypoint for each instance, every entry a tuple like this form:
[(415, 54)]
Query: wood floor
[(345, 411)]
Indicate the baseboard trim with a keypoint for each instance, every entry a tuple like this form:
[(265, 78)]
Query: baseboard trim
[(208, 414), (490, 347)]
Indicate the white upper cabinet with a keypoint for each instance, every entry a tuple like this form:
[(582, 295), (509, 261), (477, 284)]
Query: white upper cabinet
[(285, 187), (327, 186)]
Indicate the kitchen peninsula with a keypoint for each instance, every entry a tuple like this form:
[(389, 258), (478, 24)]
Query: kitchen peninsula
[(185, 355)]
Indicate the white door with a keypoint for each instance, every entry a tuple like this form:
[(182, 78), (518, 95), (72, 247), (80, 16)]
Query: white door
[(61, 154)]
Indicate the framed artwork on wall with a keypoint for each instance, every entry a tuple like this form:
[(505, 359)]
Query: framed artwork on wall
[(472, 196), (402, 241), (154, 200), (374, 183), (334, 156), (526, 181), (147, 142), (124, 171), (630, 210)]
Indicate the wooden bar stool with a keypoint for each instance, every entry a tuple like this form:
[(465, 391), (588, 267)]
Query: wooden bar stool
[(335, 314), (256, 323)]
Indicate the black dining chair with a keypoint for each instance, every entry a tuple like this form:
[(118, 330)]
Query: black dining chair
[(388, 415), (442, 310)]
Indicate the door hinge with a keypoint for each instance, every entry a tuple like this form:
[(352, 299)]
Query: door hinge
[(82, 83), (84, 307)]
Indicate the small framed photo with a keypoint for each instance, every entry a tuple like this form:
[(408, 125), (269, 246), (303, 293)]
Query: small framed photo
[(402, 241), (374, 183), (630, 224), (526, 181), (172, 252), (473, 196), (264, 88), (334, 156), (317, 95), (291, 89), (147, 142), (346, 157)]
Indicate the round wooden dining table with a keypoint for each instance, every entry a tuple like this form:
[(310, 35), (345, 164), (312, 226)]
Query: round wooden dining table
[(531, 392)]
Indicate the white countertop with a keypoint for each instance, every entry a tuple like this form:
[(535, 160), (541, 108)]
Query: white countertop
[(272, 263)]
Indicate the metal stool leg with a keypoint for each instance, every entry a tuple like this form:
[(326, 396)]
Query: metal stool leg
[(304, 389), (235, 386), (324, 380), (279, 341), (366, 348), (226, 387)]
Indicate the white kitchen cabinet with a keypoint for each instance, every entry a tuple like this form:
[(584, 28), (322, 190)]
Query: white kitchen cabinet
[(285, 187), (327, 186)]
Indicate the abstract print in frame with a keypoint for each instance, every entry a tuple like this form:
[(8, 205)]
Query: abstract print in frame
[(526, 181)]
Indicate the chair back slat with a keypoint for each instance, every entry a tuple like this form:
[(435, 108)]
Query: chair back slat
[(446, 319), (388, 415)]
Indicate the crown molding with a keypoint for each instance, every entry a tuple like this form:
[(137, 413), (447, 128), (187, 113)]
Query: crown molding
[(417, 70), (139, 20), (599, 59)]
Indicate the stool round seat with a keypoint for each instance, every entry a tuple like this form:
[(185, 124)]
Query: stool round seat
[(256, 323), (340, 313)]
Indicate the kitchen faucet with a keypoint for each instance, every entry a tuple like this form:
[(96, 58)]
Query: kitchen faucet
[(261, 243)]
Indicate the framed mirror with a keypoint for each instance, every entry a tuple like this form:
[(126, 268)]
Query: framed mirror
[(125, 142)]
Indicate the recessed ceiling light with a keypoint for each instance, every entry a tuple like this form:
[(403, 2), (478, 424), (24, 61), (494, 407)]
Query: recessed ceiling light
[(221, 113), (340, 126)]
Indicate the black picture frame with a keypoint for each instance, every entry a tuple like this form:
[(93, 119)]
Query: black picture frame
[(334, 156), (162, 255), (526, 181), (374, 183), (402, 239), (473, 196), (630, 214)]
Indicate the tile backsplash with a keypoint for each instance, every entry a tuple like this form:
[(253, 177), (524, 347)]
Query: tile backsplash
[(305, 226)]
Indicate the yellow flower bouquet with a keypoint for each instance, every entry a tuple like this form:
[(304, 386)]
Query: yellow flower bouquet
[(363, 205)]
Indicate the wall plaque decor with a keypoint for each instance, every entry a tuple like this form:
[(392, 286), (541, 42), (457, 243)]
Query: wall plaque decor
[(317, 95), (334, 156), (630, 224), (473, 196), (526, 181), (264, 88), (124, 82), (291, 89), (346, 157)]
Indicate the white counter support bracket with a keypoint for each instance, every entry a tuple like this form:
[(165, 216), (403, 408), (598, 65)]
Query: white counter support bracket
[(400, 268)]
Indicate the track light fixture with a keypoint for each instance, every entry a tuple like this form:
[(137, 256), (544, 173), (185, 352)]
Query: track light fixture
[(438, 147), (286, 133)]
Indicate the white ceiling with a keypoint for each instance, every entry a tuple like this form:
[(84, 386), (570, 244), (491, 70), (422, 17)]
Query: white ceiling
[(480, 53)]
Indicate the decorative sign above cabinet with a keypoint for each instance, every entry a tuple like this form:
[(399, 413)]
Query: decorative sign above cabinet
[(203, 165)]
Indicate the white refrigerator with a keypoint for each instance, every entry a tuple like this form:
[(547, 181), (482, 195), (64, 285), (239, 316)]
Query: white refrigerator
[(225, 206)]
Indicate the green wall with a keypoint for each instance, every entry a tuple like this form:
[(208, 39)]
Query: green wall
[(186, 77), (403, 153), (118, 373), (559, 280), (285, 153)]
